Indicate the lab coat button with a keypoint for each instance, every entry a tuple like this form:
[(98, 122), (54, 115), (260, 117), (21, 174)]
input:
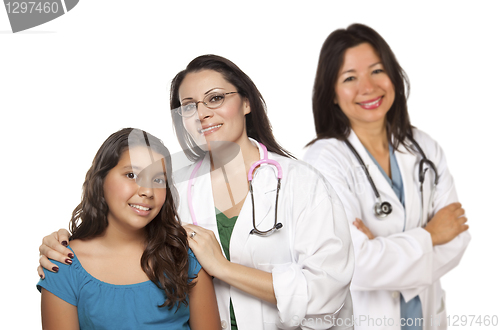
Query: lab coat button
[(223, 324), (395, 294)]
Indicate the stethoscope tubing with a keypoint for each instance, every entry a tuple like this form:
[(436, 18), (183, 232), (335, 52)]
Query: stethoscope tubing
[(382, 209), (365, 169), (250, 177)]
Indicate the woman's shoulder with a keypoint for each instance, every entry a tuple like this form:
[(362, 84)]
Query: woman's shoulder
[(301, 176), (325, 143), (292, 164), (329, 152), (430, 146), (422, 136)]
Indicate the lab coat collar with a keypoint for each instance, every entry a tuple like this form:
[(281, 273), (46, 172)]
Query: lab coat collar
[(258, 145)]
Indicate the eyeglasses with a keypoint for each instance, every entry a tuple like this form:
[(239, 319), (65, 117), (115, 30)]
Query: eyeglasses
[(211, 101)]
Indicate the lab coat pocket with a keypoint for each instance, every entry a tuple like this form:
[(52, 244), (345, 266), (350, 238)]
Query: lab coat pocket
[(269, 311), (439, 319), (270, 317)]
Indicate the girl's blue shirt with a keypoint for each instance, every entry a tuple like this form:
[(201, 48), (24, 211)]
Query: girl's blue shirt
[(108, 306)]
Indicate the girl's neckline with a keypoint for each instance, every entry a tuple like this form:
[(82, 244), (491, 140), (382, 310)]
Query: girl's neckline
[(76, 262)]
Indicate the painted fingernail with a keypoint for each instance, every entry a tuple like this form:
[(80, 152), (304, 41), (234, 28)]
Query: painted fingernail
[(41, 276), (55, 268), (65, 243), (68, 261), (71, 255)]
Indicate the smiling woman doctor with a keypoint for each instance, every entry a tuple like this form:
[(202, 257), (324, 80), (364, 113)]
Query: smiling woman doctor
[(407, 226), (286, 260)]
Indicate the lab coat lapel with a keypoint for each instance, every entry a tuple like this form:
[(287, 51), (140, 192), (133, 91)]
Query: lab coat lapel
[(203, 202), (409, 172), (406, 161)]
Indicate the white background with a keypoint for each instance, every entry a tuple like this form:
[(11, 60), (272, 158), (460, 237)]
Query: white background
[(68, 84)]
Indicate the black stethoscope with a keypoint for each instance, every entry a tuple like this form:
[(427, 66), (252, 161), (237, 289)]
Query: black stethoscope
[(277, 225), (383, 209)]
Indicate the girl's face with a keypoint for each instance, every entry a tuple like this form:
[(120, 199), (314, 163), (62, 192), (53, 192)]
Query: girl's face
[(363, 89), (225, 123), (135, 189)]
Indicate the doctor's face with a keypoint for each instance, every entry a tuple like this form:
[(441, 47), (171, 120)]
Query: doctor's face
[(363, 89), (224, 123)]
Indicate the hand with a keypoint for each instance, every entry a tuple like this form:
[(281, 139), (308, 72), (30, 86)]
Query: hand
[(447, 224), (361, 227), (206, 248), (53, 247)]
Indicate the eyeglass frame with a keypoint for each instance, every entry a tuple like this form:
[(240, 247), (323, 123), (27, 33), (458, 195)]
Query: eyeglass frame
[(179, 109)]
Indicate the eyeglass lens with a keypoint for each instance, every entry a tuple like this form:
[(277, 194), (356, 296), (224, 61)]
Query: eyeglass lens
[(211, 101)]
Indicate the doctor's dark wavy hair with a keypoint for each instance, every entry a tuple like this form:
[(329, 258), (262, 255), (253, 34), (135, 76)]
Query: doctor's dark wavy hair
[(258, 125), (165, 258), (329, 120)]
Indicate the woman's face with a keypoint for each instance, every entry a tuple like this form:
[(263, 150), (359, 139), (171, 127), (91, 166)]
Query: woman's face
[(135, 189), (363, 89), (227, 122)]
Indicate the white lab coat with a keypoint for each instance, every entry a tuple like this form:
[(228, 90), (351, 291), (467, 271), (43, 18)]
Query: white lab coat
[(310, 258), (396, 261)]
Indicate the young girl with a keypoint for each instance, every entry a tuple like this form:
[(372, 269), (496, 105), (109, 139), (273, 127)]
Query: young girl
[(131, 267)]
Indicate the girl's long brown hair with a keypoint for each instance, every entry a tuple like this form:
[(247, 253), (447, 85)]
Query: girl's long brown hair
[(165, 258)]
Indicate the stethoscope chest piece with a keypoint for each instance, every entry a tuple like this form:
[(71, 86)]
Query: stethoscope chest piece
[(382, 210)]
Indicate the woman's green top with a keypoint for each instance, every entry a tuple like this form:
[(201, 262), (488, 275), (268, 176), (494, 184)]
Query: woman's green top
[(225, 227)]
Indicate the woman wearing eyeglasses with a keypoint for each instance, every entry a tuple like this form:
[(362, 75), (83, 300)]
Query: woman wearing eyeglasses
[(407, 226), (286, 259)]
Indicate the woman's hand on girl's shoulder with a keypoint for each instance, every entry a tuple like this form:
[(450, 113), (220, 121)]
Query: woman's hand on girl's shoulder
[(54, 247), (206, 248)]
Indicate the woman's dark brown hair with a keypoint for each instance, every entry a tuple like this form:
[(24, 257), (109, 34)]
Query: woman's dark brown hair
[(165, 258), (329, 120), (257, 123)]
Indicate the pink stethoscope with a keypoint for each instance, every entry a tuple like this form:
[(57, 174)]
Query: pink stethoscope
[(265, 160)]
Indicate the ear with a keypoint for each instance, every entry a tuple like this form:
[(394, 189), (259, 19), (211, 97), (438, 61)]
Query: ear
[(335, 100), (246, 106)]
